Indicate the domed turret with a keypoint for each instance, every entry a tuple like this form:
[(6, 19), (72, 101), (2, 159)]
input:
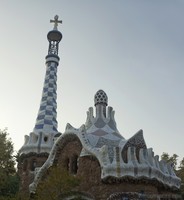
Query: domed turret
[(101, 98)]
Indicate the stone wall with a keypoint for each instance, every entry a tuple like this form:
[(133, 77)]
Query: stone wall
[(89, 173), (27, 166), (88, 170)]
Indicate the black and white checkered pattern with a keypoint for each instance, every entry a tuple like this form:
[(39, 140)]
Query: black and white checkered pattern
[(46, 119)]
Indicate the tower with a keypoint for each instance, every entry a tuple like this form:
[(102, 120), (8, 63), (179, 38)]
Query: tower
[(38, 144)]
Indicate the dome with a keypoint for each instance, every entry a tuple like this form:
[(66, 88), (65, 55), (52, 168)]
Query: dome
[(101, 98), (54, 35)]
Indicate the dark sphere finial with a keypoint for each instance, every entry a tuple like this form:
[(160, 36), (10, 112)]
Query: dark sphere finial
[(54, 35)]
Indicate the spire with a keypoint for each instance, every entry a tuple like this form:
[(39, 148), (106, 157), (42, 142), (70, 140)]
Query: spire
[(45, 129), (46, 119)]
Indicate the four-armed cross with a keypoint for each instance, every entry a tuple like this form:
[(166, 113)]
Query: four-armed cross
[(56, 21)]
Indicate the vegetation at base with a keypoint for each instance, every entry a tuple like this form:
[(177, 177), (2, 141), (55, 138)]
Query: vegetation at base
[(59, 183), (8, 178), (178, 167), (173, 159)]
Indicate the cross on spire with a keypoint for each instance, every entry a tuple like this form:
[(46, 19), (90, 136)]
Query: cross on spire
[(56, 21)]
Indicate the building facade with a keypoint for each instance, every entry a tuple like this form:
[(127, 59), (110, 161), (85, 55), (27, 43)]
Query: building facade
[(110, 166)]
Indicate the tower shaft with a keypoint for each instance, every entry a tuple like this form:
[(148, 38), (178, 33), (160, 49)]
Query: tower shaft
[(46, 120), (42, 138), (38, 144)]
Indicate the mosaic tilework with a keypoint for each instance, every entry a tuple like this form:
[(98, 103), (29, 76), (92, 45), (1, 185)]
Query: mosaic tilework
[(136, 140), (100, 138), (110, 143), (46, 119), (101, 130), (101, 98)]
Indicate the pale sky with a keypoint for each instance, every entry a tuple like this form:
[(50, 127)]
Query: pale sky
[(132, 49)]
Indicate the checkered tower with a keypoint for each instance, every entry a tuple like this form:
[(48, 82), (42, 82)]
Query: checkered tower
[(46, 119), (42, 138), (38, 144)]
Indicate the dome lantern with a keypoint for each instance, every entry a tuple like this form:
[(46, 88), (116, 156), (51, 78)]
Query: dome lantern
[(54, 37), (101, 98)]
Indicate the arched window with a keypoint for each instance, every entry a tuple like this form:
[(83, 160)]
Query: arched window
[(74, 164), (25, 163), (66, 164), (33, 165)]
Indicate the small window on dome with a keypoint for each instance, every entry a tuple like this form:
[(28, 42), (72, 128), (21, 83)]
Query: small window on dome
[(45, 139)]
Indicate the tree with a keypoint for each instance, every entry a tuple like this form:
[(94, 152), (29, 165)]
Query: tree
[(179, 171), (173, 159), (9, 179), (56, 184), (181, 164)]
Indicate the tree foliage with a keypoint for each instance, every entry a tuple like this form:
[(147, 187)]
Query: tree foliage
[(9, 179), (173, 159), (181, 164), (179, 171), (57, 183)]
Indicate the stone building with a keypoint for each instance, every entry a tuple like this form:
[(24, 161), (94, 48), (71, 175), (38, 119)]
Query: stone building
[(111, 167)]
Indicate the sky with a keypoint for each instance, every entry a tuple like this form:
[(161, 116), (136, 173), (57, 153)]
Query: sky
[(132, 49)]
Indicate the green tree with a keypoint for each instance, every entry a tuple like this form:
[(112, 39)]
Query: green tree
[(9, 179), (181, 164), (56, 184), (173, 159), (179, 171)]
